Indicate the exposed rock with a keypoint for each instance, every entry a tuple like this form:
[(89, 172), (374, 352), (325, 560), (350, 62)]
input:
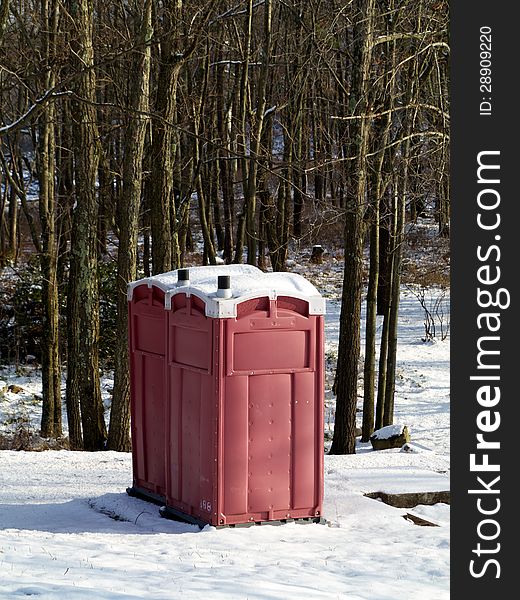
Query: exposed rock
[(415, 449), (411, 499), (391, 436), (419, 520), (23, 439), (15, 389)]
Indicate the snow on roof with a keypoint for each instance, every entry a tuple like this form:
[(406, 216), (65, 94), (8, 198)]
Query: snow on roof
[(246, 282)]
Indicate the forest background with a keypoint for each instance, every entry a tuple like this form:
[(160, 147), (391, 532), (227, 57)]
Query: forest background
[(158, 134)]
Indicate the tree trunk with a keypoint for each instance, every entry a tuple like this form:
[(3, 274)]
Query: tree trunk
[(51, 422), (243, 227), (12, 220), (380, 139), (128, 213), (400, 193), (163, 218), (4, 17), (202, 197), (161, 200), (349, 338), (65, 186), (240, 236), (224, 153), (383, 284), (299, 177), (388, 416), (381, 377), (256, 137), (3, 224), (370, 329), (83, 388)]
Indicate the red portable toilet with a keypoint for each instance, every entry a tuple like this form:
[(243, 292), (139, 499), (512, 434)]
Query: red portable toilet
[(227, 379)]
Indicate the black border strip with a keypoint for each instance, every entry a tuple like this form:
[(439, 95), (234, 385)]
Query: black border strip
[(474, 131)]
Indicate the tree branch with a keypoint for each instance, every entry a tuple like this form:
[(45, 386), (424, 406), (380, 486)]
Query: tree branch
[(20, 192), (392, 110), (234, 12), (327, 163), (34, 109)]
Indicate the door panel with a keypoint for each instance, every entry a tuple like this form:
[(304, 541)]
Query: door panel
[(235, 445), (269, 453), (304, 442), (269, 443), (153, 419)]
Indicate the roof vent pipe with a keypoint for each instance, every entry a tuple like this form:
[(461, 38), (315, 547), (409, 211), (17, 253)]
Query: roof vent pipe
[(224, 286), (183, 277)]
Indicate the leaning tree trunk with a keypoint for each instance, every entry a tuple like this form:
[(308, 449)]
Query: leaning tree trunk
[(401, 192), (83, 388), (397, 251), (128, 213)]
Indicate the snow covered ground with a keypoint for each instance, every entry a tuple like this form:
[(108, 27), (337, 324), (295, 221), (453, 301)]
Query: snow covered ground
[(68, 530)]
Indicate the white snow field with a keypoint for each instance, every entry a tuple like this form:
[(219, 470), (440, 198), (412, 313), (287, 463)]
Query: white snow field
[(69, 531)]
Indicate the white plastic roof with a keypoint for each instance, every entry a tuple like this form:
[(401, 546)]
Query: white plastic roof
[(246, 282)]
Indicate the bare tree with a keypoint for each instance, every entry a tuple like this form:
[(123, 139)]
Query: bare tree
[(128, 216), (51, 425), (264, 122), (83, 385), (349, 338)]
